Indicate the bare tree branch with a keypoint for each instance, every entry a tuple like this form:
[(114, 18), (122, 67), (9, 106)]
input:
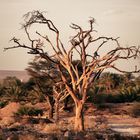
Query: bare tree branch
[(75, 81)]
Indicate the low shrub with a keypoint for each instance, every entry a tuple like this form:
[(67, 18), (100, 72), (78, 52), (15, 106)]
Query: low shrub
[(30, 111), (99, 98), (129, 94), (3, 104), (103, 106)]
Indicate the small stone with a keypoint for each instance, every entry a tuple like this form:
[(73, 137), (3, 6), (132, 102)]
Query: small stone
[(67, 134)]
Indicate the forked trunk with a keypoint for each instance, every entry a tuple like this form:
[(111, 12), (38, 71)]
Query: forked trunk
[(51, 107), (79, 117), (50, 116)]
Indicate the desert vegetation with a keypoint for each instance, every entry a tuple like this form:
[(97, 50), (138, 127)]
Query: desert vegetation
[(68, 84), (34, 108)]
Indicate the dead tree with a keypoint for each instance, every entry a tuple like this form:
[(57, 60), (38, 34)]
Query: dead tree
[(92, 64), (60, 93)]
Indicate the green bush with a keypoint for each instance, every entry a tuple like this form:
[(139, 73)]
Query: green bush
[(3, 104), (103, 106), (24, 110), (112, 98), (129, 94), (92, 93), (99, 98)]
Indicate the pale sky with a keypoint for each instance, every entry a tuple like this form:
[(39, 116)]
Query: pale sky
[(116, 18)]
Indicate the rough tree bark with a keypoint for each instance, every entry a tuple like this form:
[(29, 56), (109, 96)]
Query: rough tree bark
[(51, 106), (56, 110), (79, 116)]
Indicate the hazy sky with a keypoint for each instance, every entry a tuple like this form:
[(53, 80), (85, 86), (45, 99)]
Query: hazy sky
[(113, 18)]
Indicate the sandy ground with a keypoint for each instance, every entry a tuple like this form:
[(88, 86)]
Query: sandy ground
[(116, 118), (125, 124)]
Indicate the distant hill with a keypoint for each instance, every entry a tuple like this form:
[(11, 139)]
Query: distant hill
[(22, 75)]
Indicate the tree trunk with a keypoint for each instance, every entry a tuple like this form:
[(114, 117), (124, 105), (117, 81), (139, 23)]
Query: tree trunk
[(79, 116), (51, 107), (50, 116), (66, 100), (56, 110)]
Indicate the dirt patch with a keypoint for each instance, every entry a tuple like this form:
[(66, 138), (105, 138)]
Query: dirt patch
[(7, 113), (8, 110), (125, 124)]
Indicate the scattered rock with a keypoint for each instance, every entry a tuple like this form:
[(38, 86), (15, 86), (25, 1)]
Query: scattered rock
[(67, 134)]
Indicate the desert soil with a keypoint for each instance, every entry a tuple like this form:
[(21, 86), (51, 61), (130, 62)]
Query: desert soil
[(114, 118)]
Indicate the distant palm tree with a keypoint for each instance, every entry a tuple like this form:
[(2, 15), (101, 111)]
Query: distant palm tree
[(110, 81)]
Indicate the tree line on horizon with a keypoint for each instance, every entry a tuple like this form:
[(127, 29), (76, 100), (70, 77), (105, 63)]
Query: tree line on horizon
[(109, 88)]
